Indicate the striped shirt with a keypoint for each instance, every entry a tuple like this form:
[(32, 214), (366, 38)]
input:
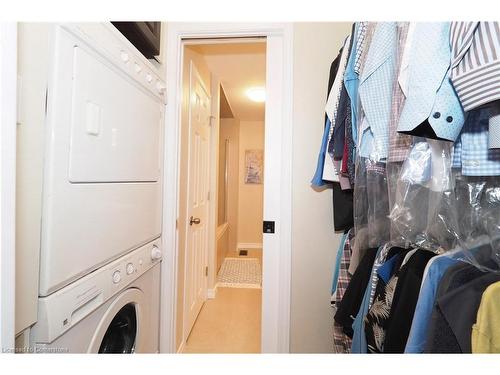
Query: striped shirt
[(475, 62)]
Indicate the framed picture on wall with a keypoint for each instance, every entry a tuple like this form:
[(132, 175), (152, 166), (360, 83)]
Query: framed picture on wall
[(254, 169)]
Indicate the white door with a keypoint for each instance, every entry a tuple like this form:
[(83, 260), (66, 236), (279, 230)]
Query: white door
[(197, 210)]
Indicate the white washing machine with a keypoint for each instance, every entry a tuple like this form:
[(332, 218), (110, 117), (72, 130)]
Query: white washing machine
[(112, 310)]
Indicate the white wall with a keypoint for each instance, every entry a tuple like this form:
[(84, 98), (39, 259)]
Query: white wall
[(8, 35), (314, 243), (230, 129), (33, 41), (250, 196)]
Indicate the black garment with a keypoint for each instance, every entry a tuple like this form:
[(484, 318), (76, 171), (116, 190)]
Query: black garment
[(405, 301), (378, 315), (343, 215), (334, 68), (348, 308), (400, 252), (457, 301), (424, 130)]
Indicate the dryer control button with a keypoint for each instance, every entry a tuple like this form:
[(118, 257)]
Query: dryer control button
[(160, 88), (130, 269), (155, 253), (116, 277), (124, 56)]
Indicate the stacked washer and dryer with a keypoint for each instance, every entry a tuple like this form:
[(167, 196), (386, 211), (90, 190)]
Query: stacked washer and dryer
[(100, 251)]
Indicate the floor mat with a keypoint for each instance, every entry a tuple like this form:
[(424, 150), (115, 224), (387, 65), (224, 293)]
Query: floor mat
[(240, 273)]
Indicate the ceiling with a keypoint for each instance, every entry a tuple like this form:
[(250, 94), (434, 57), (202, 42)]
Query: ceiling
[(239, 66)]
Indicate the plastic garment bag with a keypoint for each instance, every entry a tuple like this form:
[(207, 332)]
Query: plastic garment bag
[(423, 212), (371, 205), (478, 220), (393, 172), (437, 208)]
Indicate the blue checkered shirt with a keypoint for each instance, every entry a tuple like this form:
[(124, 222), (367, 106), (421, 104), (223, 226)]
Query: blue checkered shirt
[(471, 152)]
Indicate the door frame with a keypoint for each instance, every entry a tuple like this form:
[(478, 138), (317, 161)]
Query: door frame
[(8, 119), (275, 328)]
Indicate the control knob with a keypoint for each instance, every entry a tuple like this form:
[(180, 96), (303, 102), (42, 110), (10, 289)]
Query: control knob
[(130, 269), (160, 88), (116, 277), (124, 56), (155, 253)]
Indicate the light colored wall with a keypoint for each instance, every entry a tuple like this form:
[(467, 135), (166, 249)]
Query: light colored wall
[(189, 55), (230, 129), (33, 40), (221, 181), (314, 243), (222, 245), (251, 196)]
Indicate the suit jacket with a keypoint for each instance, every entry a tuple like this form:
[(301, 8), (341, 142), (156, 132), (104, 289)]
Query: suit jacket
[(455, 311), (432, 108)]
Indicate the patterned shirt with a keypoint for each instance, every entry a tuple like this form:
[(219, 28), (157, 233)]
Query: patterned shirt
[(360, 43), (471, 152), (475, 62), (342, 342), (399, 144), (475, 48)]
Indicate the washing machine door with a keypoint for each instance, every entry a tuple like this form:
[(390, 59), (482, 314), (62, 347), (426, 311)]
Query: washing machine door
[(122, 327)]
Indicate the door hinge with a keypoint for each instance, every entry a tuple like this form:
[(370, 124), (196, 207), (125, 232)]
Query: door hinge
[(206, 270), (208, 196), (211, 119), (46, 99), (176, 224)]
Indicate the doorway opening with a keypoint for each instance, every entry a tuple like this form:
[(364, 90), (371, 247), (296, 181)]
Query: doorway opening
[(222, 136)]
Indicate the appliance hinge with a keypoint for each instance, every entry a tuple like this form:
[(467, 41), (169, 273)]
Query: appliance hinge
[(206, 271), (46, 99)]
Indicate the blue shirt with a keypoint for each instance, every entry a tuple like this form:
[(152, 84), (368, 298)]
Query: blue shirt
[(337, 263), (351, 83), (317, 180), (472, 153), (423, 311)]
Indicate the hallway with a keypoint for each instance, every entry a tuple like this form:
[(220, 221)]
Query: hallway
[(231, 322)]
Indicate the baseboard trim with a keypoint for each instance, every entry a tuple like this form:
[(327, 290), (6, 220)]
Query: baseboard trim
[(249, 245), (211, 293)]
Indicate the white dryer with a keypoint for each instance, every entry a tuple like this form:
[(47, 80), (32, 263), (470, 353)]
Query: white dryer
[(102, 180), (112, 310)]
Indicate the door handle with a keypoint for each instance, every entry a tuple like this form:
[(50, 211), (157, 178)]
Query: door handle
[(194, 220)]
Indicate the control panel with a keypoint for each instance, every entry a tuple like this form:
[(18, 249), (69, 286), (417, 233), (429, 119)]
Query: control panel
[(118, 49), (63, 309)]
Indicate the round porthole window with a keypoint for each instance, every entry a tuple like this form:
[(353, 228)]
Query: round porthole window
[(122, 331)]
